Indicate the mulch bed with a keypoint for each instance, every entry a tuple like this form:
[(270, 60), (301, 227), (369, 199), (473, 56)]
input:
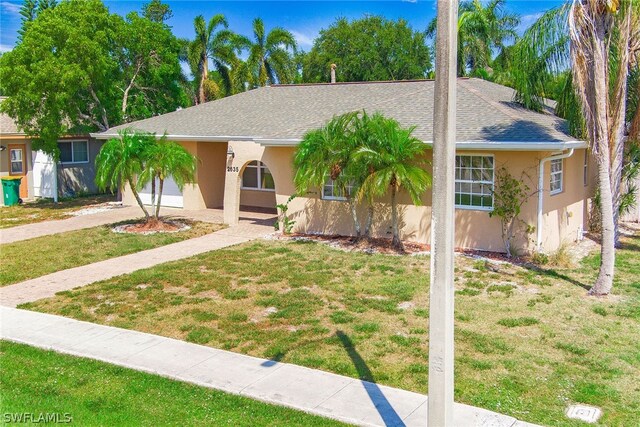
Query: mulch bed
[(152, 227), (350, 243)]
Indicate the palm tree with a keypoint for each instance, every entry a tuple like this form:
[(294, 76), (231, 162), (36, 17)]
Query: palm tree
[(166, 159), (597, 40), (398, 163), (121, 161), (481, 30), (211, 44), (327, 153), (271, 56)]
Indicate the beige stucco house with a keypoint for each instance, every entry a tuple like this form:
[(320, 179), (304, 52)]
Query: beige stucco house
[(76, 169), (245, 145)]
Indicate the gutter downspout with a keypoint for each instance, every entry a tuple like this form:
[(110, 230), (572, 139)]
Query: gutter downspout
[(541, 192)]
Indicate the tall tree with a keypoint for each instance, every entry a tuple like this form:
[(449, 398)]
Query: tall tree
[(156, 11), (482, 29), (213, 42), (70, 72), (271, 55), (368, 49), (30, 10), (596, 39)]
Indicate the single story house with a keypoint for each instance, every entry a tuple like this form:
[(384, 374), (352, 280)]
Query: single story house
[(76, 170), (245, 144)]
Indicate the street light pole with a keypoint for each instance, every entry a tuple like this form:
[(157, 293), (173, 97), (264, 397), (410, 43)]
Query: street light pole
[(441, 293)]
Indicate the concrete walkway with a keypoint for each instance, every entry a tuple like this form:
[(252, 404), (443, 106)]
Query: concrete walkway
[(49, 285), (317, 392), (46, 228)]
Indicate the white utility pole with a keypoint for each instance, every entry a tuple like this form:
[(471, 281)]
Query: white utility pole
[(441, 293)]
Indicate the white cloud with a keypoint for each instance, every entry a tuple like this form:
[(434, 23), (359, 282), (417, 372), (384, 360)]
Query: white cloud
[(526, 21), (5, 48), (410, 1), (10, 8), (303, 40)]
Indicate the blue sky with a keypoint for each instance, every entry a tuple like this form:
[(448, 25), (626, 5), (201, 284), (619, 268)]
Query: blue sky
[(303, 18)]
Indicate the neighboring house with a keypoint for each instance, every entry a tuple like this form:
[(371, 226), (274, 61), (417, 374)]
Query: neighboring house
[(245, 145), (76, 170)]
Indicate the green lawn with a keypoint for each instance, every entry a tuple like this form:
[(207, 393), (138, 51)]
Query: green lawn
[(45, 210), (98, 394), (528, 342), (43, 255)]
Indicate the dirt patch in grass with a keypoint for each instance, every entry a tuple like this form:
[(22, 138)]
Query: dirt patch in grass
[(528, 341), (350, 244), (152, 226)]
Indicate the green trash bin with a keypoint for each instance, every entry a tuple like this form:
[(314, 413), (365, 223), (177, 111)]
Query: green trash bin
[(11, 190)]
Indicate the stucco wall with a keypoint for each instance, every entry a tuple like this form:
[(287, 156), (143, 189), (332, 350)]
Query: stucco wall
[(74, 178)]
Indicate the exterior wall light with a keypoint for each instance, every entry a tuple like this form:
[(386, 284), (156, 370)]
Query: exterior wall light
[(230, 153)]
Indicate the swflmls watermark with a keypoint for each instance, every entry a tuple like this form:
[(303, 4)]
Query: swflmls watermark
[(36, 418)]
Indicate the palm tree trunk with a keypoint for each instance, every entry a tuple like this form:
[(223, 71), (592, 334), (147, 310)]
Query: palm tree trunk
[(369, 223), (203, 77), (354, 215), (396, 242), (153, 192), (161, 185), (604, 282), (137, 196)]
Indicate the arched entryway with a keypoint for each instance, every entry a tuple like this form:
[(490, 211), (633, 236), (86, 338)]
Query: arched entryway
[(257, 188)]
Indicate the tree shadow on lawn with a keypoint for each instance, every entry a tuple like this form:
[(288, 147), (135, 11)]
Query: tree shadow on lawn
[(554, 274), (389, 416)]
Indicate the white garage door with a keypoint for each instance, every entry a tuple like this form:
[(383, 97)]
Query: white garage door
[(171, 194)]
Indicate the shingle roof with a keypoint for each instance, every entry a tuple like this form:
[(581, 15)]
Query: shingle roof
[(7, 125), (486, 112)]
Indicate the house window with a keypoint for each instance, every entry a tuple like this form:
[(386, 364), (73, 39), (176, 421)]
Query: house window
[(331, 191), (74, 151), (17, 165), (474, 182), (555, 186), (585, 179), (256, 176)]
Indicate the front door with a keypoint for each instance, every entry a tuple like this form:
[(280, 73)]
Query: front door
[(18, 166)]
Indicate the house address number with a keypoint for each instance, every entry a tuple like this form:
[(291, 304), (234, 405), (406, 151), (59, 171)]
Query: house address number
[(233, 169)]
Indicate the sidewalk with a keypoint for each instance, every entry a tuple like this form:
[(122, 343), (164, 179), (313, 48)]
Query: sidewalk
[(317, 392), (49, 285), (46, 228)]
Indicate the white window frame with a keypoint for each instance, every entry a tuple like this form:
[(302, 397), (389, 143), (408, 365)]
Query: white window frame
[(259, 166), (21, 161), (73, 160), (554, 174), (465, 181), (328, 182)]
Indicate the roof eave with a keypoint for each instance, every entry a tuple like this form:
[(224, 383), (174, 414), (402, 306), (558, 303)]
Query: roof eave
[(464, 145), (195, 138)]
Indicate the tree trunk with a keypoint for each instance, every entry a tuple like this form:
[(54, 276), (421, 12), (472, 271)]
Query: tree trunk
[(161, 185), (203, 77), (354, 216), (369, 223), (395, 242), (153, 192), (137, 196), (604, 282)]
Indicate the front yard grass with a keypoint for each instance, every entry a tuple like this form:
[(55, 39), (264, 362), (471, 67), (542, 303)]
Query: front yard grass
[(94, 393), (32, 258), (528, 342), (45, 210)]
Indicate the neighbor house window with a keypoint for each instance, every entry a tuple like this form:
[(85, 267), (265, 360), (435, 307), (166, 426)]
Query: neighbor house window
[(556, 176), (331, 191), (74, 151), (256, 176), (17, 164), (474, 182)]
